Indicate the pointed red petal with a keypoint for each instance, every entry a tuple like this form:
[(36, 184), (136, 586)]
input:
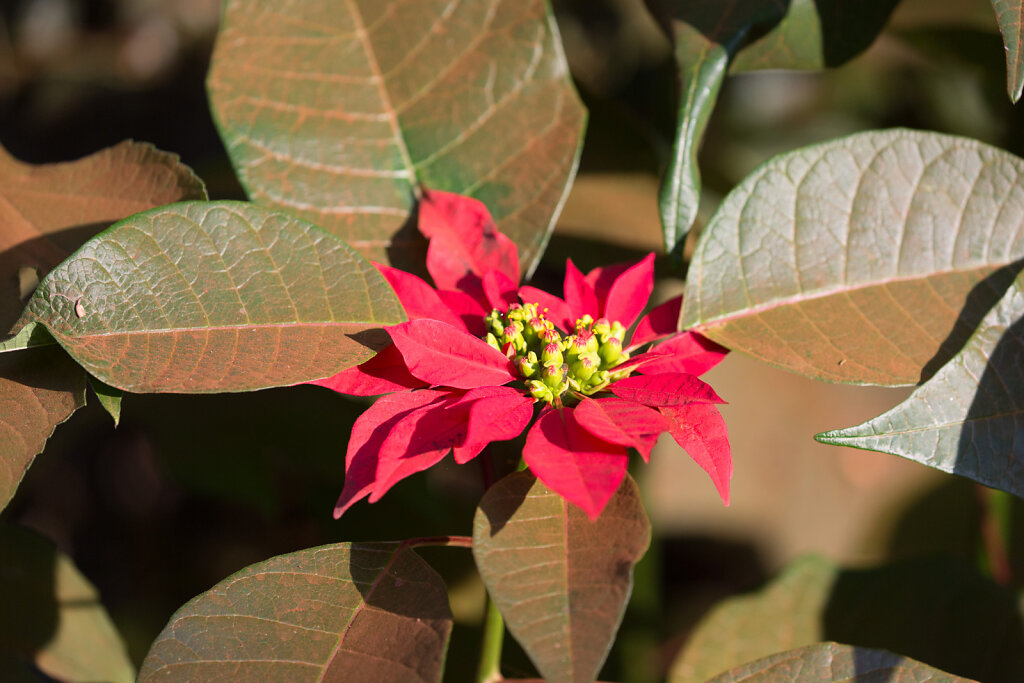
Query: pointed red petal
[(495, 414), (579, 295), (368, 433), (687, 352), (382, 374), (469, 310), (553, 308), (629, 293), (418, 298), (601, 278), (666, 389), (445, 356), (623, 422), (463, 240), (500, 290), (662, 321), (700, 430), (575, 464)]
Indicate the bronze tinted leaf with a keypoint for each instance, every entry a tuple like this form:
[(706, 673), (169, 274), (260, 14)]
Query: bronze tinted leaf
[(214, 296), (966, 419), (561, 581), (339, 111), (345, 612), (51, 616), (868, 259), (835, 663)]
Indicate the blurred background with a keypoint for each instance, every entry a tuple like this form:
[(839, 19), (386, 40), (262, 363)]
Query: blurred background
[(192, 488)]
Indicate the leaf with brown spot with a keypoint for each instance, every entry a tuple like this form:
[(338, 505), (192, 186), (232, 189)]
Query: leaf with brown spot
[(561, 581), (883, 250), (203, 297), (339, 111), (345, 612)]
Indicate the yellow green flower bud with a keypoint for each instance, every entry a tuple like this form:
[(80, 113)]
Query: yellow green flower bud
[(528, 365), (610, 351)]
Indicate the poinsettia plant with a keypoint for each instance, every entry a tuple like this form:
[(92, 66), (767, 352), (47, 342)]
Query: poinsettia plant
[(379, 143)]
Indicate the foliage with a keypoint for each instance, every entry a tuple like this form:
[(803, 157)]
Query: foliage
[(404, 164)]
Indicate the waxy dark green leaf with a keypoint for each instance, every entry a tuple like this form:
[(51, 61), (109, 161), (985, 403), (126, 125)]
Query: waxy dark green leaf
[(46, 212), (868, 259), (835, 663), (340, 110), (710, 37), (967, 418), (560, 581), (51, 616), (904, 607), (214, 296), (345, 612), (1010, 14)]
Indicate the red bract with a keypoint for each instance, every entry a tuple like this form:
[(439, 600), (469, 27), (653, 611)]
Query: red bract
[(482, 357)]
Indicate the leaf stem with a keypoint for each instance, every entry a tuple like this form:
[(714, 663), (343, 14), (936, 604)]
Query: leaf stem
[(996, 508), (490, 650), (450, 541)]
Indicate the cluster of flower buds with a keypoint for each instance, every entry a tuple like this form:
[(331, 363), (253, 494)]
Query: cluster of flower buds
[(551, 363)]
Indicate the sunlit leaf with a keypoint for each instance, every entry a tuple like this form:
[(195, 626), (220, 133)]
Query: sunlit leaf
[(966, 418), (560, 580), (868, 259), (1010, 14), (904, 607), (835, 663), (108, 397), (51, 616), (356, 612), (710, 37), (340, 111), (214, 296)]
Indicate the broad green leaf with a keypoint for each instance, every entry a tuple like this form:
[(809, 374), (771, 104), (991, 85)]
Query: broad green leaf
[(869, 259), (214, 296), (832, 662), (46, 212), (51, 616), (39, 389), (561, 581), (903, 607), (965, 419), (1010, 14), (109, 398), (709, 38), (356, 612), (341, 110)]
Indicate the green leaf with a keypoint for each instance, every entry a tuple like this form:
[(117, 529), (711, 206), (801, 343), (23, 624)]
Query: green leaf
[(109, 398), (51, 616), (214, 296), (39, 389), (904, 607), (359, 612), (561, 581), (869, 259), (827, 662), (709, 37), (1010, 14), (964, 420), (340, 111)]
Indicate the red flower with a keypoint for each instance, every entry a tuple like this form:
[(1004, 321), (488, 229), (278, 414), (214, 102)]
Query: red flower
[(480, 355)]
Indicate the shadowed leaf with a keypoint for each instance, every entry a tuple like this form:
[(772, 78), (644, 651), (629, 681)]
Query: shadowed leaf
[(51, 616), (832, 662), (904, 607), (967, 418), (39, 389), (214, 296), (1010, 15), (356, 612), (560, 580), (109, 398), (340, 111), (868, 259), (710, 37)]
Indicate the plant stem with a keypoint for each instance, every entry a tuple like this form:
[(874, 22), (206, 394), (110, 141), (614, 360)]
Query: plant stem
[(490, 650), (996, 507), (450, 541)]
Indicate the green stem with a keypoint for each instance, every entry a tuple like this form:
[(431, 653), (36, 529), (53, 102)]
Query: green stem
[(490, 651)]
